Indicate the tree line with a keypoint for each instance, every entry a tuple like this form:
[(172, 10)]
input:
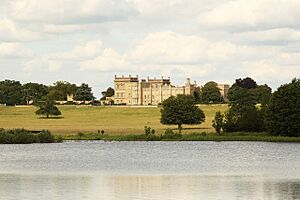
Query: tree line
[(210, 92), (14, 93), (252, 108)]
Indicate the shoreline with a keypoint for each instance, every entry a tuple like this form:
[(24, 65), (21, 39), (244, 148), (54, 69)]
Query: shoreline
[(243, 136)]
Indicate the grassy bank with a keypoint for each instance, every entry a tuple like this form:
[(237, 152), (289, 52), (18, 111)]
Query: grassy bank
[(113, 120), (240, 136)]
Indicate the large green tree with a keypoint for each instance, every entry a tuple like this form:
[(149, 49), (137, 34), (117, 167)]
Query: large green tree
[(108, 93), (34, 92), (210, 93), (247, 83), (283, 112), (181, 110), (243, 115), (84, 93), (47, 108), (60, 90), (262, 94), (10, 92)]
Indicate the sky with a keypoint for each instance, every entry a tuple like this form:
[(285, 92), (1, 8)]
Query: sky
[(90, 41)]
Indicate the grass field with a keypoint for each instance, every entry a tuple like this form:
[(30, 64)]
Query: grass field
[(89, 119)]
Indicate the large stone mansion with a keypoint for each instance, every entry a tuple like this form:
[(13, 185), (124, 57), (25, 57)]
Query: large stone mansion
[(132, 91)]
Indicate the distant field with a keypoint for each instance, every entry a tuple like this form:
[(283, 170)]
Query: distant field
[(113, 120)]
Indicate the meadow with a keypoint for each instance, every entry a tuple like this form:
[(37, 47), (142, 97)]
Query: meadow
[(90, 119)]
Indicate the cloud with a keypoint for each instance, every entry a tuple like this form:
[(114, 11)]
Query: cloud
[(14, 50), (173, 54), (165, 52), (241, 15), (84, 51), (71, 11), (9, 32), (170, 48), (41, 64), (54, 29), (268, 70), (280, 36), (108, 60)]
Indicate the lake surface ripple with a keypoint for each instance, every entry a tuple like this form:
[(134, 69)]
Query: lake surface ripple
[(150, 170)]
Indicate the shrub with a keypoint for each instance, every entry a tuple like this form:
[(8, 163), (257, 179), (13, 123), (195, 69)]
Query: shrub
[(80, 134), (169, 134), (247, 119), (217, 123), (22, 136), (45, 137), (147, 130)]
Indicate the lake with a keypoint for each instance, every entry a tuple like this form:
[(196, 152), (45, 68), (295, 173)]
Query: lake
[(150, 170)]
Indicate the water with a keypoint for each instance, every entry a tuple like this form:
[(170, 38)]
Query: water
[(150, 170)]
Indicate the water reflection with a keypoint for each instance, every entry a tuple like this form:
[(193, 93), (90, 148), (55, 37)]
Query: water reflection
[(92, 187)]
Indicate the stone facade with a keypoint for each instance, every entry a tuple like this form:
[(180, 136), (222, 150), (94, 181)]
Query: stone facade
[(131, 91), (224, 91)]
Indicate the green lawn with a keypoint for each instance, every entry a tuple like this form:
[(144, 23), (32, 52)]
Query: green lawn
[(113, 120)]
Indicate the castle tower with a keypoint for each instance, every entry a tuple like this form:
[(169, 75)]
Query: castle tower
[(187, 89)]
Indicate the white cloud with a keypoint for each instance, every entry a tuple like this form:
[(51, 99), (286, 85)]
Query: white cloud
[(41, 64), (71, 11), (280, 36), (175, 49), (54, 29), (14, 50), (165, 52), (267, 70), (259, 14), (84, 51), (9, 32), (108, 60), (169, 53)]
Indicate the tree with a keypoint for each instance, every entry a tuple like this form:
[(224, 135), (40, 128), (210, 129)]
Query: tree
[(211, 93), (239, 96), (60, 90), (217, 123), (84, 93), (262, 94), (108, 93), (243, 115), (283, 111), (247, 83), (181, 110), (10, 92), (34, 92), (48, 108)]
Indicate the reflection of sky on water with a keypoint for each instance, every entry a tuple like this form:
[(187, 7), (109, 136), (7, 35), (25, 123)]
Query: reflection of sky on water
[(47, 187), (150, 171)]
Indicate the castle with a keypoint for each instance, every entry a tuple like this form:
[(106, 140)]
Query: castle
[(130, 91)]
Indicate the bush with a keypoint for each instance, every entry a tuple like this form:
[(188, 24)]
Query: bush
[(80, 134), (248, 119), (22, 136), (217, 123), (283, 112), (147, 130), (45, 137), (169, 134)]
